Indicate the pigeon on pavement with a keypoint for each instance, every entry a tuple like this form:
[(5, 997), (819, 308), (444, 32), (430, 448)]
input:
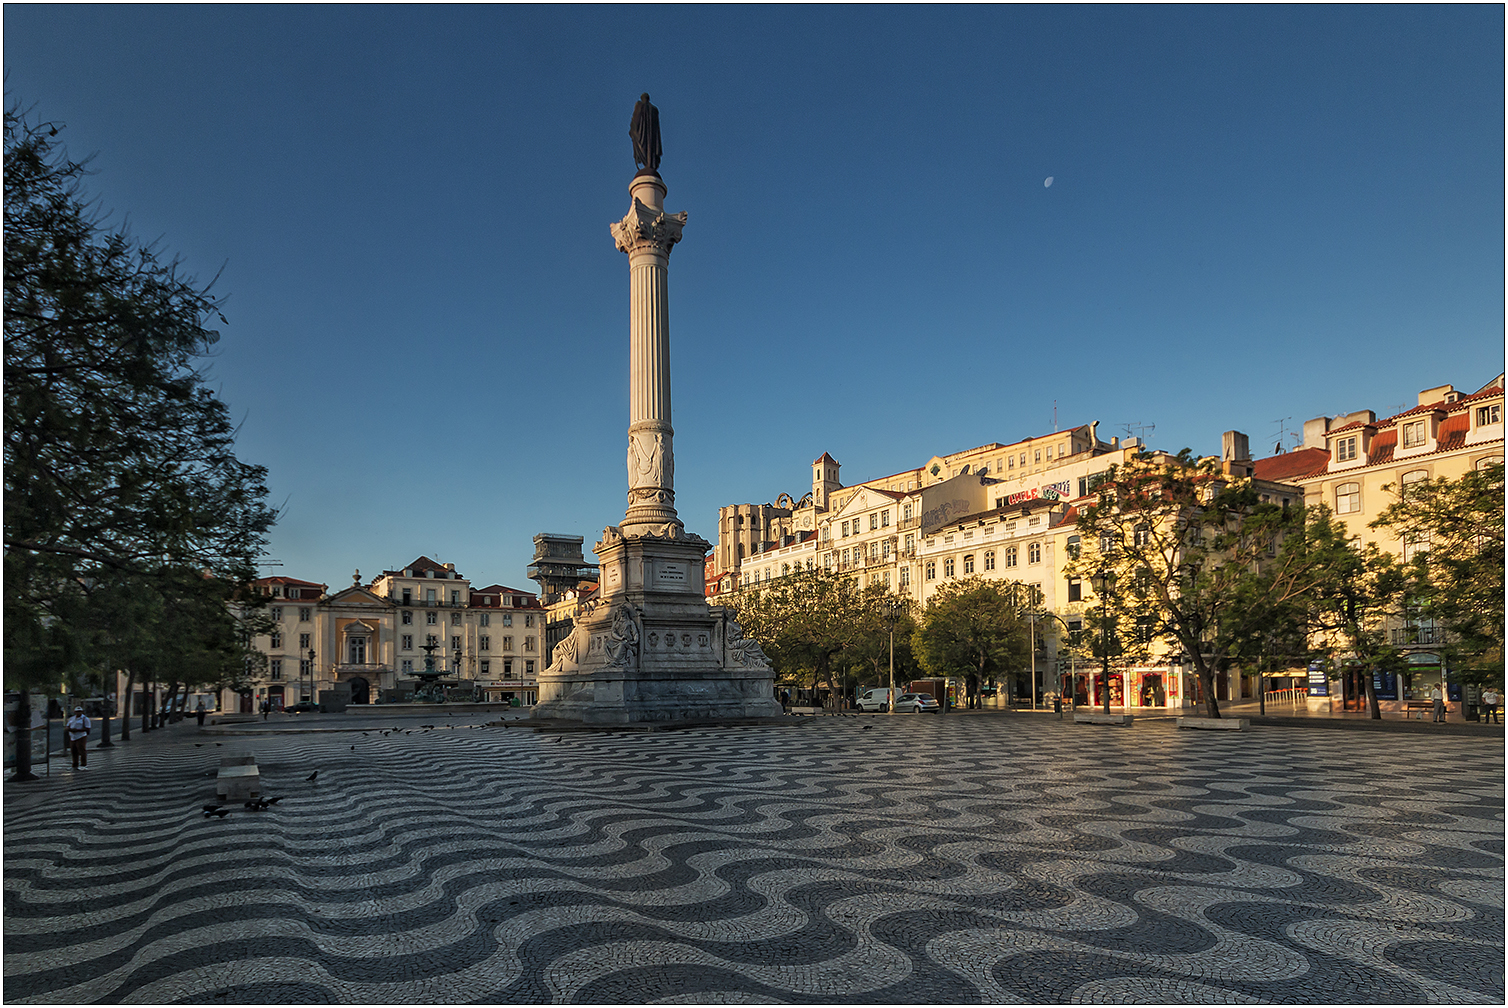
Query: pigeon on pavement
[(312, 776)]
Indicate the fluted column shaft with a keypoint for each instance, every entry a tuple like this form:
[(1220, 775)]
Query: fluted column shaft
[(647, 234)]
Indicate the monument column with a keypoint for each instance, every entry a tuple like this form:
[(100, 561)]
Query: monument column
[(648, 647), (647, 234)]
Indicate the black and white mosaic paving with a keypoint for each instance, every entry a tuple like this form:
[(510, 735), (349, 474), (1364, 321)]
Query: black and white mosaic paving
[(902, 859)]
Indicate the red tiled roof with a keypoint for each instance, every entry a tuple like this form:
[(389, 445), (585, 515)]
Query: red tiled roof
[(1296, 464), (288, 581), (1452, 433), (1382, 447), (497, 589), (826, 458)]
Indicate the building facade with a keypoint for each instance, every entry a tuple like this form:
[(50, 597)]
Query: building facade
[(366, 641), (1356, 465)]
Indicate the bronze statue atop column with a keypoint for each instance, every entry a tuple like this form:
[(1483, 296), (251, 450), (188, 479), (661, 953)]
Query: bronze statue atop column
[(644, 131)]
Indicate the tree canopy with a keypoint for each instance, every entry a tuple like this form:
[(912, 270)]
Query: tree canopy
[(1197, 558), (120, 466), (1452, 534), (975, 629)]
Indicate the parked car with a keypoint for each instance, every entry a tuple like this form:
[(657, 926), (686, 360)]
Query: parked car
[(307, 707), (873, 700), (915, 703)]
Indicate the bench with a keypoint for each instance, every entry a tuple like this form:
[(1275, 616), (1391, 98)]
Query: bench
[(1218, 724), (238, 779), (1418, 705), (1115, 719)]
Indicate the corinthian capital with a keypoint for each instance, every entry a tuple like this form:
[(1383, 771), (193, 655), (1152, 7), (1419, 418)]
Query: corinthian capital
[(646, 227)]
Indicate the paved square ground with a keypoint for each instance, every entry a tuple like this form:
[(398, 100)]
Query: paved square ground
[(909, 858)]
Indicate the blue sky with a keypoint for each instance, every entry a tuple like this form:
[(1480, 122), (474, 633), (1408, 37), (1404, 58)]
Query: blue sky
[(1256, 213)]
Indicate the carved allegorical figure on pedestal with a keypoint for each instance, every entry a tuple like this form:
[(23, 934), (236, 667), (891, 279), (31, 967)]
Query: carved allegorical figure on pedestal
[(742, 651), (622, 644), (644, 131)]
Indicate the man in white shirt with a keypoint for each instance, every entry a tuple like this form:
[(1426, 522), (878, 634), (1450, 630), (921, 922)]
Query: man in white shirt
[(1490, 700), (1439, 699), (78, 734)]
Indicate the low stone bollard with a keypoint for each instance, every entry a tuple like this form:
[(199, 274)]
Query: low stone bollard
[(1111, 719), (1217, 724), (238, 779)]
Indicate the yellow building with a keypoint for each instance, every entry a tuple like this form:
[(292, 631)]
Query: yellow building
[(1356, 463)]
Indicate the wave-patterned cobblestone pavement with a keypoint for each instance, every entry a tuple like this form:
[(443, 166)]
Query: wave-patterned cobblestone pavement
[(906, 859)]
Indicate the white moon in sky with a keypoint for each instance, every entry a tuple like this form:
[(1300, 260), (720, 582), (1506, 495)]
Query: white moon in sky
[(1048, 183)]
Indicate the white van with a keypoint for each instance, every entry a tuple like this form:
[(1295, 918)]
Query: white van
[(878, 699)]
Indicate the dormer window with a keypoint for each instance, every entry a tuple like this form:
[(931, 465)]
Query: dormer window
[(1345, 449), (1489, 415), (1413, 434)]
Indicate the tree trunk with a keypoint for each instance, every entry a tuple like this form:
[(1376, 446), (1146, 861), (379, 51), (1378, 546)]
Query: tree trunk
[(125, 707), (1207, 681), (168, 696), (23, 739), (147, 696), (1372, 697)]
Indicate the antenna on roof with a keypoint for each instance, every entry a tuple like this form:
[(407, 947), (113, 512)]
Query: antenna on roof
[(1142, 430), (269, 563), (1278, 448), (1054, 416)]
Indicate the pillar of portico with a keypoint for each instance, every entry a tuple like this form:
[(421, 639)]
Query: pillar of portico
[(647, 233)]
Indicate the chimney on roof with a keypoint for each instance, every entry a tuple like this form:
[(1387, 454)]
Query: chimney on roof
[(1446, 393), (1234, 447)]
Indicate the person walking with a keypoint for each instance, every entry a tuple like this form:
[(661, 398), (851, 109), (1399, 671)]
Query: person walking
[(78, 734), (1490, 700), (199, 713), (1439, 699), (266, 707)]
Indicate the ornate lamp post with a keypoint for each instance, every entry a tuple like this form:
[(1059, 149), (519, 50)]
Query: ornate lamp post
[(1103, 582), (893, 610), (301, 676)]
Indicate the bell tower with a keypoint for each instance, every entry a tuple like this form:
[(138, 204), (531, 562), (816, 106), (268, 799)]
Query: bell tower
[(824, 481)]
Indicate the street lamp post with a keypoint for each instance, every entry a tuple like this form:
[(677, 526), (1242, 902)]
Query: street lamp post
[(1073, 667), (893, 610), (1101, 581), (301, 676)]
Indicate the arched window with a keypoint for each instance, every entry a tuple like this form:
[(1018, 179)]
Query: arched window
[(989, 559), (1073, 546), (1010, 556), (1490, 460), (1348, 498), (968, 563), (948, 567), (931, 570), (1034, 553), (1410, 478)]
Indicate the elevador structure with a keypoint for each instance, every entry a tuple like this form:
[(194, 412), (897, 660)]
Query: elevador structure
[(650, 649)]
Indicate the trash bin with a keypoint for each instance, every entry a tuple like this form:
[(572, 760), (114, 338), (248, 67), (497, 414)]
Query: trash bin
[(515, 702)]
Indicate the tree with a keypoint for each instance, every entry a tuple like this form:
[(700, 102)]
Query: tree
[(1349, 604), (805, 621), (869, 652), (1452, 531), (119, 461), (975, 629), (1198, 560)]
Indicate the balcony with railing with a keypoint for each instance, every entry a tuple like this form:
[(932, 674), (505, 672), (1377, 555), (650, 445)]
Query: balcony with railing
[(1404, 636)]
